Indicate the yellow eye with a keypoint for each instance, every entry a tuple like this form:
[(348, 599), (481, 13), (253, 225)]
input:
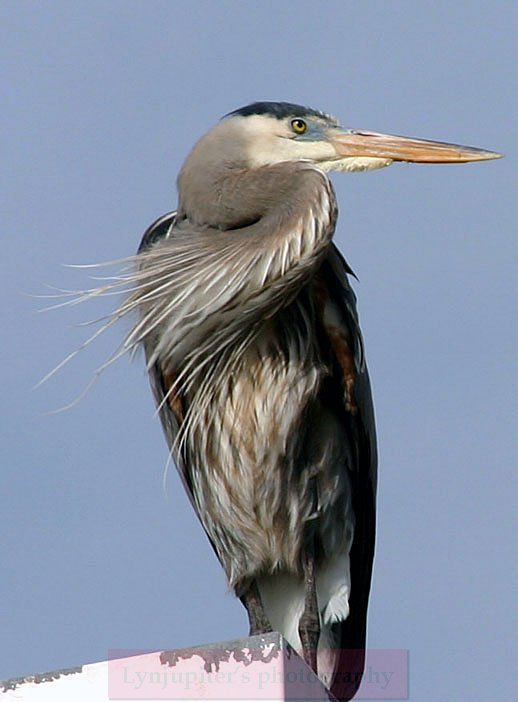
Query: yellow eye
[(298, 125)]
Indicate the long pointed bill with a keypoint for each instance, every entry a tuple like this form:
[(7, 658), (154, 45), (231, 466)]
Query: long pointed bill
[(358, 143)]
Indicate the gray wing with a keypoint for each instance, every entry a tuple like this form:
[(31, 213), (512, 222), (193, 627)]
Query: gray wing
[(172, 408), (358, 417), (360, 427), (160, 229)]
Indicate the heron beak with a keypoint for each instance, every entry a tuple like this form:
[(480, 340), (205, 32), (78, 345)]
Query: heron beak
[(359, 143)]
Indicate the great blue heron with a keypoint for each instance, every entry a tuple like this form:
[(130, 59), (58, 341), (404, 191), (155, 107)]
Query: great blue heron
[(257, 365)]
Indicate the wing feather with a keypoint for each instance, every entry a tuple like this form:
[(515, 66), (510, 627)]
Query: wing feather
[(359, 411), (345, 341)]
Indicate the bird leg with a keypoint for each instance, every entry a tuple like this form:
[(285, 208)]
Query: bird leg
[(309, 622), (251, 598)]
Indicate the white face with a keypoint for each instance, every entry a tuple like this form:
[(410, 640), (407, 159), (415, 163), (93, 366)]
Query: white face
[(268, 140), (263, 140)]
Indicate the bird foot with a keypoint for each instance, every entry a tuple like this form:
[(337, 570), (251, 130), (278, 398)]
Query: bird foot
[(309, 635), (259, 622)]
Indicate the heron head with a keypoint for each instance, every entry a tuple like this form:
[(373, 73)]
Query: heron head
[(265, 133)]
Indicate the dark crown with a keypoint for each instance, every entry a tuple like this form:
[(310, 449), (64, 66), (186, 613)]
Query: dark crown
[(280, 110)]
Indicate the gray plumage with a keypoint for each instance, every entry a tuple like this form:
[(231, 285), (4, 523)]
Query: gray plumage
[(256, 360)]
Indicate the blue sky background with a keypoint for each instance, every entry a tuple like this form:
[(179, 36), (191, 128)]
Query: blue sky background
[(101, 102)]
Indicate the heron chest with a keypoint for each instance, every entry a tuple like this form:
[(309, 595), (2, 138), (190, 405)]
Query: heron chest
[(265, 442)]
